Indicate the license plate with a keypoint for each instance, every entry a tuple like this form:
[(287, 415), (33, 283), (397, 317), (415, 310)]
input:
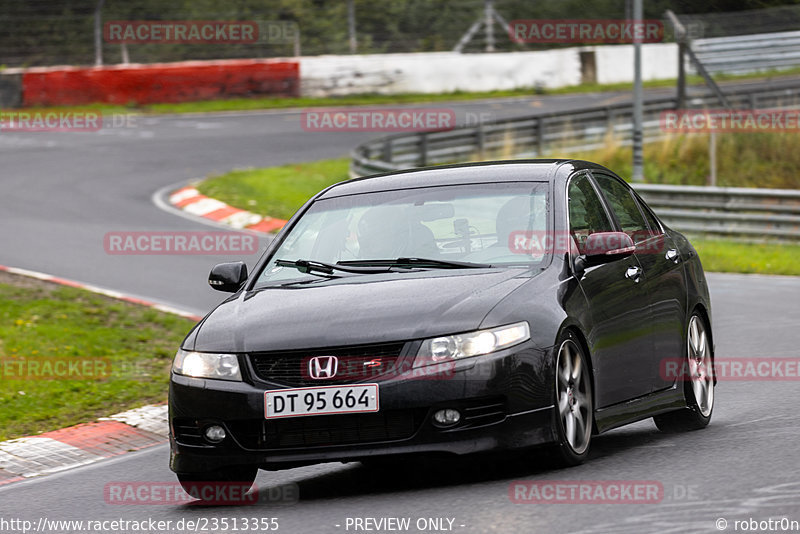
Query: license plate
[(321, 400)]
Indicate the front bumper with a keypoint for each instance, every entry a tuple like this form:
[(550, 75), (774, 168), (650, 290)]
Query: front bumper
[(505, 399)]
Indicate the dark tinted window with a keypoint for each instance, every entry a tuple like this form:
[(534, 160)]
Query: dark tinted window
[(586, 213), (624, 207), (655, 228)]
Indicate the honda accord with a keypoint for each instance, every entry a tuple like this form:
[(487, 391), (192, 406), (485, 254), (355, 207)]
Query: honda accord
[(448, 310)]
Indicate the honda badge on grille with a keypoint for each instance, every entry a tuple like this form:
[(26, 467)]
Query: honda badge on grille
[(322, 367)]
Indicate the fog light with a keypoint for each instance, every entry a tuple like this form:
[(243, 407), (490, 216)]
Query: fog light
[(215, 433), (447, 417)]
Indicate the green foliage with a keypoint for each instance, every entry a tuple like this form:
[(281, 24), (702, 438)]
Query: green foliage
[(761, 258), (50, 32), (275, 191), (744, 159), (41, 320)]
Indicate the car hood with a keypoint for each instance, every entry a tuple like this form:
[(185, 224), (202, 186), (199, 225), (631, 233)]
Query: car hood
[(371, 308)]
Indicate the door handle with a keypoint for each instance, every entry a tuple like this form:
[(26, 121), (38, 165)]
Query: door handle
[(672, 255), (633, 273)]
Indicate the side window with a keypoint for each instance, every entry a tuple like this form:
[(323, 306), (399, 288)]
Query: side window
[(624, 207), (655, 228), (586, 213)]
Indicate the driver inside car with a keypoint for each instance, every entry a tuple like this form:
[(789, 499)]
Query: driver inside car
[(389, 232)]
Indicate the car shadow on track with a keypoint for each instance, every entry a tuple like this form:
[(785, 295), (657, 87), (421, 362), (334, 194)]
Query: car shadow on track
[(410, 474), (416, 473)]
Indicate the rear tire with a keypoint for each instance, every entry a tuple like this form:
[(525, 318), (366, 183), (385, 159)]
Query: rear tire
[(698, 383), (218, 486), (573, 410)]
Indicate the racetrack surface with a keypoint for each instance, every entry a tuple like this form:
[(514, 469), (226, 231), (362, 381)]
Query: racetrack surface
[(62, 192), (743, 465)]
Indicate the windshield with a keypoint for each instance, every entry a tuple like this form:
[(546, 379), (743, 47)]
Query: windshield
[(474, 223)]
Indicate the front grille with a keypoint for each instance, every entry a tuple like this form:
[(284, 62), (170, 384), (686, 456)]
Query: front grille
[(328, 430), (354, 364)]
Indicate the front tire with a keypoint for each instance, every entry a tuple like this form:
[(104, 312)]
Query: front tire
[(574, 407), (698, 383)]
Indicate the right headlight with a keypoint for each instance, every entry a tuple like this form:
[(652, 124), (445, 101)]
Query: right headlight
[(444, 348), (207, 365)]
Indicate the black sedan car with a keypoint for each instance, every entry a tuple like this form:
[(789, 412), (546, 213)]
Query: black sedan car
[(456, 309)]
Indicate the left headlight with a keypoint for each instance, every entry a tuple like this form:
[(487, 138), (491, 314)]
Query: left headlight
[(477, 343), (207, 365)]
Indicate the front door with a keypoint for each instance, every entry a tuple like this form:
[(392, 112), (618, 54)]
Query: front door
[(620, 339)]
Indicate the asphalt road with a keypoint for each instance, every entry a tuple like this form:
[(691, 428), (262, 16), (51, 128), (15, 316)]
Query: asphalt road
[(60, 193), (744, 465)]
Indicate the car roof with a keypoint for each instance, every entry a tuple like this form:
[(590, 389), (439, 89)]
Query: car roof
[(535, 170)]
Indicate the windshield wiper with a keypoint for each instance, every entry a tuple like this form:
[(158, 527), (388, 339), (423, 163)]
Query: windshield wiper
[(417, 262), (320, 267)]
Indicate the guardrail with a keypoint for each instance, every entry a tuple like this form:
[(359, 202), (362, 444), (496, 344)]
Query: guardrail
[(736, 212), (749, 53), (546, 132), (749, 214)]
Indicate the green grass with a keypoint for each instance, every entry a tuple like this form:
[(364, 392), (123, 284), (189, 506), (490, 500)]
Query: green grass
[(690, 80), (734, 257), (98, 107), (248, 104), (42, 320), (275, 191), (765, 159), (253, 104), (244, 104)]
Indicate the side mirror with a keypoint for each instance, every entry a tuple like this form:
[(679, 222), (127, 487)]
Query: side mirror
[(605, 247), (228, 277)]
